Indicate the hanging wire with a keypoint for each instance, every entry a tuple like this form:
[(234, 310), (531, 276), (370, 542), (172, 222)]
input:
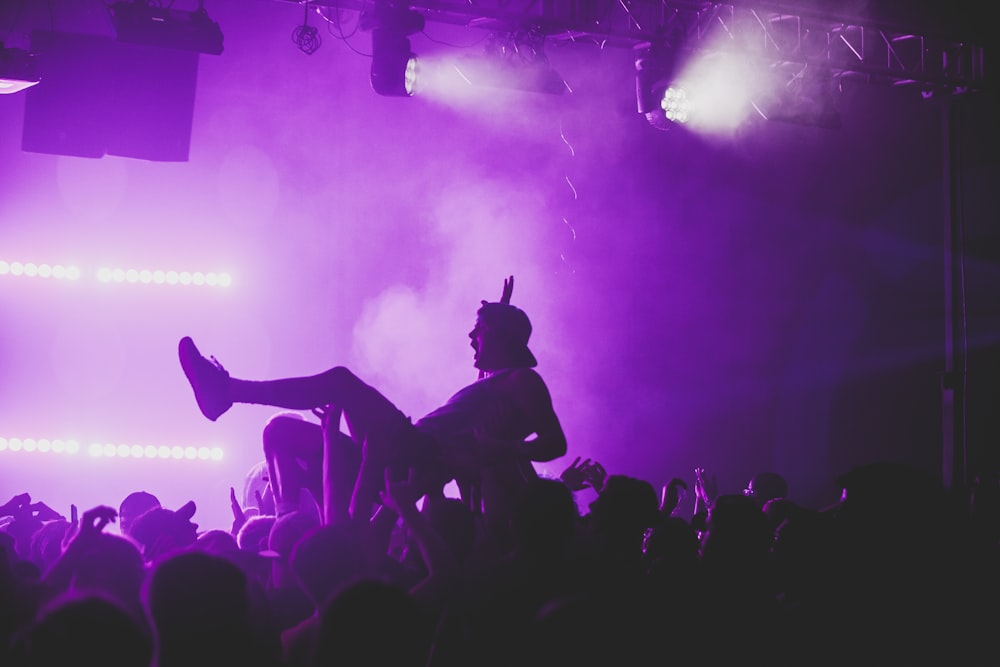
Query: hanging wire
[(335, 27), (305, 36)]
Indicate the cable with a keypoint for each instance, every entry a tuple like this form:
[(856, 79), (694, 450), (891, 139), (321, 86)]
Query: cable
[(340, 29), (305, 36)]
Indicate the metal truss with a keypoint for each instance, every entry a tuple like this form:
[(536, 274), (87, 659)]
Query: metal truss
[(777, 34)]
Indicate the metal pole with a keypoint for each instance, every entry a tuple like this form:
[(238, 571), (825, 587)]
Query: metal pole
[(954, 387)]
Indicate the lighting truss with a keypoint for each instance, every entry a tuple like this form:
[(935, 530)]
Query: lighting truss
[(513, 60), (777, 33)]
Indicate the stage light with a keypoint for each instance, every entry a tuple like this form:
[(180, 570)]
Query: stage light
[(18, 70), (394, 65), (658, 97), (142, 23)]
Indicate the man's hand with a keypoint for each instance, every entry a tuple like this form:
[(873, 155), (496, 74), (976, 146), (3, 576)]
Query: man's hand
[(672, 494), (239, 516), (16, 506), (508, 290), (43, 512), (575, 476), (265, 501), (399, 497), (705, 488), (91, 524), (596, 476)]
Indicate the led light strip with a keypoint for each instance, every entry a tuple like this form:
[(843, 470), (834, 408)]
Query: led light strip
[(32, 270), (116, 275), (109, 450), (158, 277)]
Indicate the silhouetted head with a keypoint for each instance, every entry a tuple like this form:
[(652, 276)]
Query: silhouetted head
[(325, 558), (544, 517), (84, 630), (626, 505), (372, 622), (766, 486), (254, 534), (199, 608), (500, 338), (258, 477), (111, 565), (133, 506), (161, 531)]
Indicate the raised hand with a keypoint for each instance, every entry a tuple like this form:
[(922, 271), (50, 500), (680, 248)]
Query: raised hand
[(672, 494), (508, 290), (239, 516), (596, 475), (93, 522), (575, 476), (705, 488), (399, 496), (43, 512), (265, 501), (16, 506)]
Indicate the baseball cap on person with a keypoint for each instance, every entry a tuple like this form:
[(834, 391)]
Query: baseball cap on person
[(133, 506), (514, 323)]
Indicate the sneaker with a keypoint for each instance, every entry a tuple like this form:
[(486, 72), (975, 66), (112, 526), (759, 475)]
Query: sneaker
[(208, 378)]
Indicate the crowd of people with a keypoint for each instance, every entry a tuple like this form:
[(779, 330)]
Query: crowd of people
[(345, 551)]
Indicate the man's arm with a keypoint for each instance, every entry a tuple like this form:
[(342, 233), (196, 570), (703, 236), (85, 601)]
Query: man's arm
[(535, 403)]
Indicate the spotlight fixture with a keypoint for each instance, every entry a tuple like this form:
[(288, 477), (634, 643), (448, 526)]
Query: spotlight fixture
[(517, 61), (658, 97), (18, 70), (140, 22), (394, 65)]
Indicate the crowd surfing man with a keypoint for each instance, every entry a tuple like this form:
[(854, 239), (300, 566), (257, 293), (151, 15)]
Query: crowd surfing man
[(484, 437)]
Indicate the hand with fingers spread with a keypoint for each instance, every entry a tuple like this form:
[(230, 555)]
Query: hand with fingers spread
[(575, 476), (399, 496)]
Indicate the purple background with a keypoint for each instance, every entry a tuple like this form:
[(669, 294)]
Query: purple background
[(771, 300)]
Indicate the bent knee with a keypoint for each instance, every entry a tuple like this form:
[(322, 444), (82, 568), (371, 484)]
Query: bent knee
[(283, 428)]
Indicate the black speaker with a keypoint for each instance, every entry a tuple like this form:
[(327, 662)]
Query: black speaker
[(67, 112), (99, 97)]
